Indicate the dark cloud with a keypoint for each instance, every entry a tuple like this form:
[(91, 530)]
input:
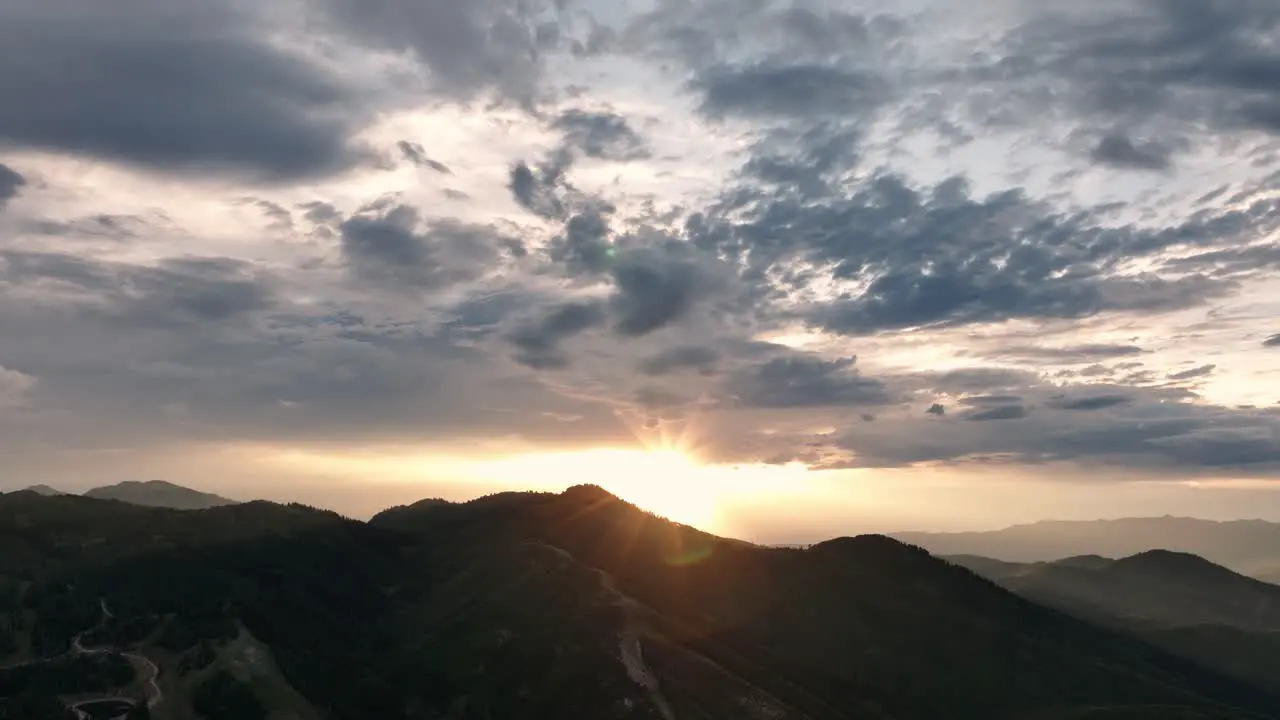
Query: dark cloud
[(10, 183), (176, 86), (1121, 151), (540, 191), (1221, 447), (978, 380), (937, 409), (1141, 428), (173, 292), (805, 381), (469, 48), (113, 227), (685, 357), (1074, 354), (659, 400), (603, 135), (416, 154), (1005, 412), (319, 212), (585, 247), (654, 289), (806, 159), (1273, 341), (1193, 373), (780, 91), (1096, 402), (990, 400), (538, 343), (939, 257), (395, 251), (1158, 67), (280, 217)]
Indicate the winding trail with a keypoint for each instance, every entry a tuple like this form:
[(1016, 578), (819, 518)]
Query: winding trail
[(629, 649), (151, 688)]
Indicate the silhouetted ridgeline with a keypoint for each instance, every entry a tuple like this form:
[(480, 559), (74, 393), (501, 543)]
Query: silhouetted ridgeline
[(537, 605)]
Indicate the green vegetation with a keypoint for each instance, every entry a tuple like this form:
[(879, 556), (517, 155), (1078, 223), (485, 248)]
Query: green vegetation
[(32, 692), (222, 697)]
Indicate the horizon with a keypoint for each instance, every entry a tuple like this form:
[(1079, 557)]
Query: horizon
[(853, 531), (773, 268)]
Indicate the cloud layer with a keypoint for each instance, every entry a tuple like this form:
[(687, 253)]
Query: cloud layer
[(782, 230)]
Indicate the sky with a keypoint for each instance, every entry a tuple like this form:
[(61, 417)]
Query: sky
[(779, 268)]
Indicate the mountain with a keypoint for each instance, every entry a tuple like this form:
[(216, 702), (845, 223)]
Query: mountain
[(537, 605), (1154, 588), (44, 490), (157, 493), (1246, 546), (1178, 601)]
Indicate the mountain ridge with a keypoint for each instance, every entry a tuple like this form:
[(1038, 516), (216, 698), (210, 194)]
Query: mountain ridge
[(574, 604), (1246, 546), (158, 493), (1180, 602)]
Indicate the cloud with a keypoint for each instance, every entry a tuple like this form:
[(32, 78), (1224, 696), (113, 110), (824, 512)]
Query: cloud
[(10, 183), (603, 135), (780, 91), (685, 357), (1005, 412), (1193, 373), (1162, 68), (416, 154), (1120, 151), (191, 87), (1096, 402), (800, 381), (1154, 428), (978, 380), (1222, 447), (538, 342), (467, 49), (1273, 341), (654, 289), (394, 250), (781, 183), (585, 246), (173, 292), (1075, 354), (937, 256), (13, 386), (540, 190)]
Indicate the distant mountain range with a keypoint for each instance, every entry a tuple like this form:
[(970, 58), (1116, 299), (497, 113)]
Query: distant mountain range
[(1157, 588), (539, 605), (1251, 547), (154, 493), (1181, 602)]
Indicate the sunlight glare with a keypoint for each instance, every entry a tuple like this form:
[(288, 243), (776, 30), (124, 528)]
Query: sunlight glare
[(666, 482)]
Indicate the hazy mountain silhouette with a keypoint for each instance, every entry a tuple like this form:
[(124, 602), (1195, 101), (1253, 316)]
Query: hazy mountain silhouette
[(157, 493), (538, 605), (44, 490), (1157, 587), (1178, 601), (1247, 546)]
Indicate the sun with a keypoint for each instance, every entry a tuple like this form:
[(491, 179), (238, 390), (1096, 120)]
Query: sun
[(666, 482)]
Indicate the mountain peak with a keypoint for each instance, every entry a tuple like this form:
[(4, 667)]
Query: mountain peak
[(589, 491), (158, 493), (871, 547), (1168, 561), (44, 490)]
